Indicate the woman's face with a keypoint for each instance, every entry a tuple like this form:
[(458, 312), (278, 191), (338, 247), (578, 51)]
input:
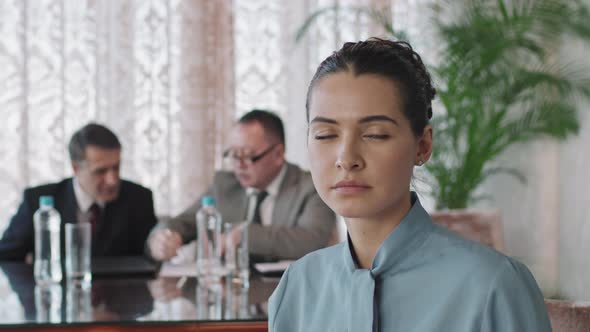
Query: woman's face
[(361, 146)]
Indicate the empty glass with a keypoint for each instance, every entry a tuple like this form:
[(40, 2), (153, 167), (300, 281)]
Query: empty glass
[(237, 259)]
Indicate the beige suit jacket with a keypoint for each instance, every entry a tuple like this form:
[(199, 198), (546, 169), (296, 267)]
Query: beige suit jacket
[(301, 222)]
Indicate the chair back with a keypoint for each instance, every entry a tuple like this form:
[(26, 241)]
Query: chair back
[(569, 316)]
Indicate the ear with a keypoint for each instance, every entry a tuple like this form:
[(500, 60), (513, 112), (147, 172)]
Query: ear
[(281, 149), (280, 153), (76, 167), (424, 146)]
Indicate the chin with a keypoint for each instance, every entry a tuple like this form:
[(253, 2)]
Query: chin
[(352, 214), (245, 184), (245, 181), (351, 210), (110, 198)]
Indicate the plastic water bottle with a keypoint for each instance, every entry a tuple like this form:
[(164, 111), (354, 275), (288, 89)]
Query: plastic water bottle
[(47, 269), (209, 224)]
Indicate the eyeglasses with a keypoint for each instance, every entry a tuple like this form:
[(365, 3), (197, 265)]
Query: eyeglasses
[(249, 160)]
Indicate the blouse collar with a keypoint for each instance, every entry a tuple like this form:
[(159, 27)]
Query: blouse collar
[(401, 242)]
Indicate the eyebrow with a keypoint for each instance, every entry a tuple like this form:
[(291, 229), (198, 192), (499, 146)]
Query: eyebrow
[(373, 118), (370, 118), (322, 119)]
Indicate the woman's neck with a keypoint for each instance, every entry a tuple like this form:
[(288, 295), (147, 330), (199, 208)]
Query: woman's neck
[(367, 234)]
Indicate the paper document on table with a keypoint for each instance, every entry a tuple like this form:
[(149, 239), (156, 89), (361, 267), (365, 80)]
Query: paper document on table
[(274, 267), (169, 269)]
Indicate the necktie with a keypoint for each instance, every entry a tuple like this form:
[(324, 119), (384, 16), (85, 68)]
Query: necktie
[(94, 216), (259, 198)]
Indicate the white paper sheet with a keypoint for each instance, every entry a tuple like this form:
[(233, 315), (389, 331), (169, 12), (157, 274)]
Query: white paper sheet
[(279, 266), (169, 269)]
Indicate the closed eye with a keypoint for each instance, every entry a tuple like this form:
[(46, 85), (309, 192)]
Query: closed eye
[(321, 137), (375, 136)]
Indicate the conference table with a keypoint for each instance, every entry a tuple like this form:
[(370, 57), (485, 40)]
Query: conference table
[(138, 302)]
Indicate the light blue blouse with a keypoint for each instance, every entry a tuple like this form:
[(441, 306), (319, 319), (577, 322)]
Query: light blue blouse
[(423, 278)]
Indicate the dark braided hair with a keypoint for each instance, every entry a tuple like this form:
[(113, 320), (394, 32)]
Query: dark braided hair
[(395, 60)]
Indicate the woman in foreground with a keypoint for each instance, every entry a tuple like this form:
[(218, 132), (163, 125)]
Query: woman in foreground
[(368, 109)]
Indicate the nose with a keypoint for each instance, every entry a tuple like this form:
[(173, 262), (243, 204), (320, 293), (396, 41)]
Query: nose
[(240, 163), (349, 156), (112, 177)]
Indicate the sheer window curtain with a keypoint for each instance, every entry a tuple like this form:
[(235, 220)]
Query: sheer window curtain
[(159, 73)]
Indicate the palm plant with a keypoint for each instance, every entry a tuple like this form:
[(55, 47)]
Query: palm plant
[(500, 84)]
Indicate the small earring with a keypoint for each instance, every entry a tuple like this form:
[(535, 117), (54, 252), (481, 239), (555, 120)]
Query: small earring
[(420, 162)]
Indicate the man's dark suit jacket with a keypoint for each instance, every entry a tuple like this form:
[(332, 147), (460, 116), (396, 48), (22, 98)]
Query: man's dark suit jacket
[(122, 230)]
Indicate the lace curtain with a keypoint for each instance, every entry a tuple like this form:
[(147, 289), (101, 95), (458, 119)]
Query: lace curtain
[(158, 73)]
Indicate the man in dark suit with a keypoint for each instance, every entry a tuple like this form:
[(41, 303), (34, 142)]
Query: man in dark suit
[(288, 218), (121, 212)]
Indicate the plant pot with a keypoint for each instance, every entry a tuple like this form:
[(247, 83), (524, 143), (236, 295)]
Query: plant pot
[(483, 226)]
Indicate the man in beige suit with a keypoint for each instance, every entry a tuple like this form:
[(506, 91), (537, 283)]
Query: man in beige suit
[(288, 218)]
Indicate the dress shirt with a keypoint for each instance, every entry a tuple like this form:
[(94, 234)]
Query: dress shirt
[(84, 201), (267, 206)]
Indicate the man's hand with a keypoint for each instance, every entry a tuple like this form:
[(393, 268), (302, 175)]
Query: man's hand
[(164, 243)]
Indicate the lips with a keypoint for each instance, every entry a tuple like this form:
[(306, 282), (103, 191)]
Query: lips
[(350, 187)]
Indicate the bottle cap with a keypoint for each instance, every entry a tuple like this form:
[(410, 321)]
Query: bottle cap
[(46, 201), (207, 201)]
